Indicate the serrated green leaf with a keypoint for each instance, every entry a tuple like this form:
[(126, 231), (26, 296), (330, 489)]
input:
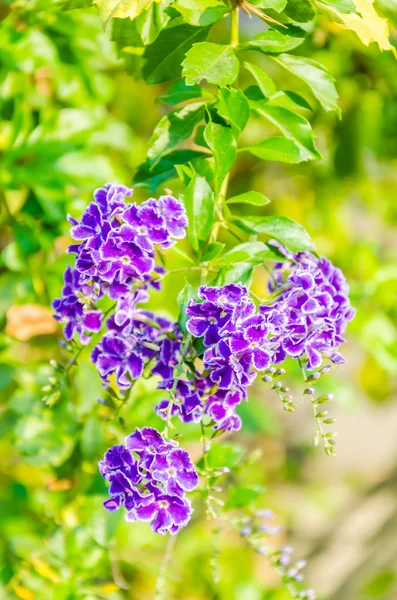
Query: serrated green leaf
[(254, 198), (152, 177), (223, 146), (234, 108), (212, 251), (200, 210), (266, 85), (152, 21), (317, 78), (163, 58), (174, 128), (300, 11), (201, 12), (123, 9), (180, 92), (290, 233), (253, 252), (273, 42), (293, 126), (216, 63)]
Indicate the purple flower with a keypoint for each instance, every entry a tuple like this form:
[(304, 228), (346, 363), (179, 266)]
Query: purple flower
[(166, 513), (115, 354), (221, 406), (313, 297), (186, 401), (118, 241), (150, 476), (74, 308), (175, 471)]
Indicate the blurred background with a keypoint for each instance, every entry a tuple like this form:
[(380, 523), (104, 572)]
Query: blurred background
[(72, 119)]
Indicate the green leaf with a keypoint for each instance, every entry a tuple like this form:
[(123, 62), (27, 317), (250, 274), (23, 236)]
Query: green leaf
[(163, 58), (200, 210), (342, 6), (266, 85), (211, 251), (317, 78), (184, 297), (173, 129), (255, 198), (180, 92), (201, 12), (152, 177), (216, 63), (182, 254), (152, 21), (240, 497), (293, 126), (92, 438), (241, 272), (300, 11), (277, 5), (273, 42), (234, 108), (223, 146), (289, 100), (254, 252), (290, 233), (226, 454), (122, 9), (277, 148)]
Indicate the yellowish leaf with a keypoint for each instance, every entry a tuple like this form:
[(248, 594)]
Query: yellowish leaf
[(109, 588), (29, 320), (45, 570), (23, 593), (122, 9), (369, 27)]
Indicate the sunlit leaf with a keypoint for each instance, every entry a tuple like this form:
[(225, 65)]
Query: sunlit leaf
[(174, 128), (223, 146), (216, 63), (200, 12), (316, 76), (252, 197), (272, 42), (200, 208), (290, 233), (163, 58)]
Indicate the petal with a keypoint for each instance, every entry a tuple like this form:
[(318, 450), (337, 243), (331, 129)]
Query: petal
[(113, 503), (261, 359), (188, 480), (162, 522), (135, 365), (180, 511), (146, 513), (197, 326)]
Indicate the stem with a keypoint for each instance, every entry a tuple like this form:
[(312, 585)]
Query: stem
[(160, 591), (234, 28)]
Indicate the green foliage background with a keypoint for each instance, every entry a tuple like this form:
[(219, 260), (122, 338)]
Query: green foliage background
[(72, 119)]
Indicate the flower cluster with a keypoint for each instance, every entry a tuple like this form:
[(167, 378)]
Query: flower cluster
[(117, 244), (238, 343), (313, 296), (150, 477)]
